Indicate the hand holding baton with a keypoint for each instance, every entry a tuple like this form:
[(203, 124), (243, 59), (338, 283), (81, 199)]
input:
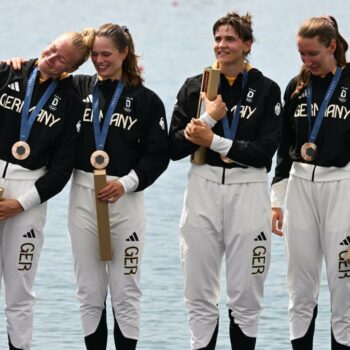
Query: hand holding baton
[(104, 234), (210, 83)]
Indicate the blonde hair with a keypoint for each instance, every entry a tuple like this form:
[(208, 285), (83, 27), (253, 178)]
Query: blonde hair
[(82, 41), (325, 29)]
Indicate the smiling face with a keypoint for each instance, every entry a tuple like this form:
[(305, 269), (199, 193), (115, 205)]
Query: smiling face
[(59, 57), (107, 59), (316, 56), (229, 48)]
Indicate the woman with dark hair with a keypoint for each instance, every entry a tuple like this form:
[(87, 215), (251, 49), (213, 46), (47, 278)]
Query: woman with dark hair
[(226, 206), (39, 122), (134, 148), (313, 160)]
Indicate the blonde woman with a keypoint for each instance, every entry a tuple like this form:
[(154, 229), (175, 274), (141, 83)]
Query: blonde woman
[(39, 115)]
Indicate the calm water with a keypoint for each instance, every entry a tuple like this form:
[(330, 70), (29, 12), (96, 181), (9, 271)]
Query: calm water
[(174, 41)]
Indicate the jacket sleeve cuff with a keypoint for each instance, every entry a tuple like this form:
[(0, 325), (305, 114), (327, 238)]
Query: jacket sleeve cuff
[(129, 182), (207, 119), (278, 193), (220, 145), (29, 199)]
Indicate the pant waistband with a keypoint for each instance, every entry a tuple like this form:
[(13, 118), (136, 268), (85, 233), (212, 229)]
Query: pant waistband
[(231, 176), (11, 171), (86, 179), (319, 173)]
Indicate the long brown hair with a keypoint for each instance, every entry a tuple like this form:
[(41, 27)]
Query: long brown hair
[(325, 28), (122, 39)]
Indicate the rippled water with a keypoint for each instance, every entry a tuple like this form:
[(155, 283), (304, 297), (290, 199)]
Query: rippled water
[(174, 41)]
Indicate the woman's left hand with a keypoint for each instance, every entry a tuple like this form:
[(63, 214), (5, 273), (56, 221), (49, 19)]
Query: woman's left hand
[(9, 208), (16, 62), (277, 221), (199, 133), (111, 192)]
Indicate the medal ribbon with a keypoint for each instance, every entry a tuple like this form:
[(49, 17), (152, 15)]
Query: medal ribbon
[(314, 132), (27, 123), (230, 132), (101, 134)]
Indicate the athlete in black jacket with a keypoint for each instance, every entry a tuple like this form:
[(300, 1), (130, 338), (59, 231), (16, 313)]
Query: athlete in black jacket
[(37, 152), (313, 160), (226, 207), (137, 146), (258, 131)]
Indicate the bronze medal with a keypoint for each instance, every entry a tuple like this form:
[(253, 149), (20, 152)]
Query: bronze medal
[(226, 159), (21, 150), (308, 151), (99, 159)]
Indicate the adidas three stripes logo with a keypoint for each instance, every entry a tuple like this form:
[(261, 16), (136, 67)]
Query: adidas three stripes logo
[(29, 234), (133, 238), (346, 241), (14, 86), (261, 237), (88, 98)]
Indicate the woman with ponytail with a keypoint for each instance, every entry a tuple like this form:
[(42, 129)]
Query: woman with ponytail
[(313, 174), (135, 153)]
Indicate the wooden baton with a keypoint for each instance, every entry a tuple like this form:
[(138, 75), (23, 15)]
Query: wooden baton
[(104, 232), (210, 83)]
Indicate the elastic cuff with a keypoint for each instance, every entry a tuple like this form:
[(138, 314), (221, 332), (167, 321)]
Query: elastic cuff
[(220, 145), (29, 199), (129, 182), (208, 120), (278, 193)]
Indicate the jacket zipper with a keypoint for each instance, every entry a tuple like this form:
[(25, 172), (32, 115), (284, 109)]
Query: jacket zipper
[(5, 170), (223, 176), (313, 174)]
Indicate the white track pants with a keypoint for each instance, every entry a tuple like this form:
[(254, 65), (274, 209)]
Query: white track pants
[(232, 219), (122, 274), (317, 224), (21, 241)]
